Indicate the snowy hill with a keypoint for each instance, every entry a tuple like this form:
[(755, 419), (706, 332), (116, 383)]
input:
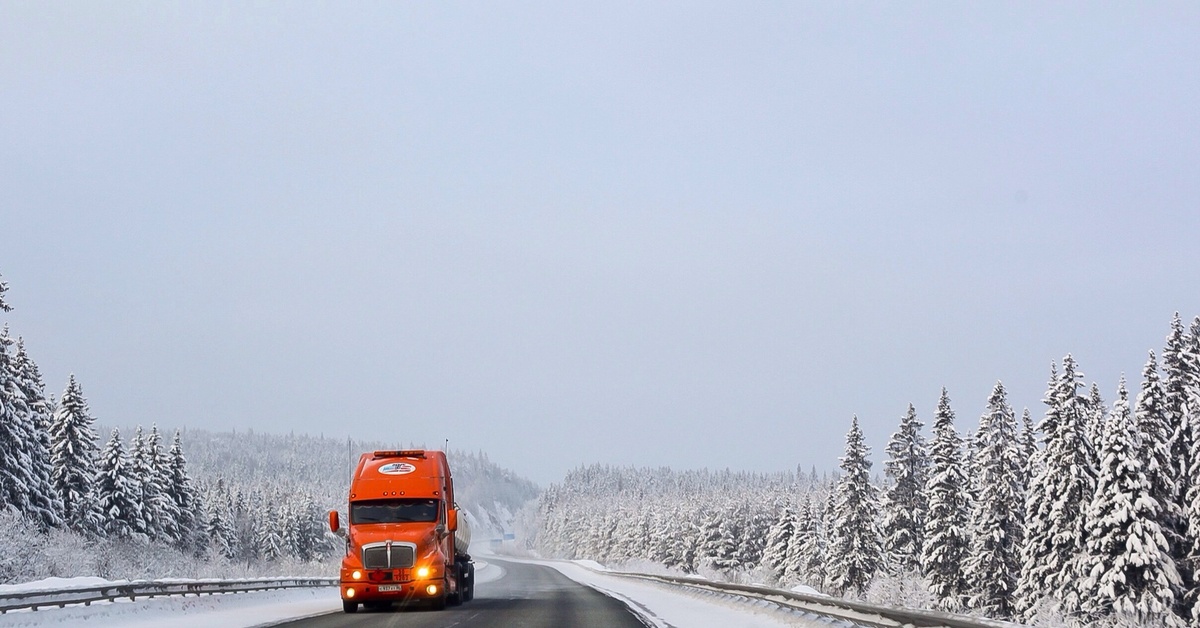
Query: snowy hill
[(321, 467)]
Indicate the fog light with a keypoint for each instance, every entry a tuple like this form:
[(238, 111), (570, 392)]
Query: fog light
[(423, 572), (357, 575), (350, 592), (431, 589)]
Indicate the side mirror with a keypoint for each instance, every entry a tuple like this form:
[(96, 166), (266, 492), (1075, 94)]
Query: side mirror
[(334, 525), (452, 519)]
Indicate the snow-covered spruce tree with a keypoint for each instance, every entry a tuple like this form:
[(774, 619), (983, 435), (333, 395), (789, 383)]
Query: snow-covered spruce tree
[(192, 536), (157, 489), (755, 525), (998, 516), (117, 493), (1154, 437), (807, 551), (775, 556), (724, 555), (1056, 505), (1128, 566), (904, 502), (668, 540), (1175, 409), (947, 543), (144, 486), (73, 453), (18, 439), (1028, 450), (4, 306), (856, 551), (1097, 412), (222, 537), (45, 507), (1191, 366), (266, 534)]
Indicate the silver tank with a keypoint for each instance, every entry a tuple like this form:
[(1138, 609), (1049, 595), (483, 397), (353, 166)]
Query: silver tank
[(462, 536)]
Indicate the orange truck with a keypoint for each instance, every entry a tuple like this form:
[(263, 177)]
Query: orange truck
[(405, 541)]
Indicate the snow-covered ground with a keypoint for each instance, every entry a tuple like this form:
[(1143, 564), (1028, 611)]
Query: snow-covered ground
[(660, 605), (231, 610), (667, 606)]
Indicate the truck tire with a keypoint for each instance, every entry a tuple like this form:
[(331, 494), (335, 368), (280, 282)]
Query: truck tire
[(349, 607), (469, 590)]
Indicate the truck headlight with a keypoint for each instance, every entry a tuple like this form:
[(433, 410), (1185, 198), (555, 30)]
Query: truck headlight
[(357, 575), (423, 572)]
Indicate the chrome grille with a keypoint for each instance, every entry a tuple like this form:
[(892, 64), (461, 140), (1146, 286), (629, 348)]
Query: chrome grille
[(376, 556)]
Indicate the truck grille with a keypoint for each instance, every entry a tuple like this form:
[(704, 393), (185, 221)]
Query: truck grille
[(376, 556)]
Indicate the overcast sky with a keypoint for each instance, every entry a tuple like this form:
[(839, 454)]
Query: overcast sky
[(658, 234)]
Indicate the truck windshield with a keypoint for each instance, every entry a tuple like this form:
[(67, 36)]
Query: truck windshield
[(394, 511)]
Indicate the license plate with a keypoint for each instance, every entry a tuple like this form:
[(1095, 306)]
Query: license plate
[(384, 588)]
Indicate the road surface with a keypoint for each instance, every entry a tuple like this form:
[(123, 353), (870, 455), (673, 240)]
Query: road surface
[(527, 596)]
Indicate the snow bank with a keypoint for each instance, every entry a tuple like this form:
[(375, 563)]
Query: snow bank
[(231, 610), (57, 584)]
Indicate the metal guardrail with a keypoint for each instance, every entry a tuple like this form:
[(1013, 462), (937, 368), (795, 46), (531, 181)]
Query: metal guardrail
[(860, 613), (34, 600)]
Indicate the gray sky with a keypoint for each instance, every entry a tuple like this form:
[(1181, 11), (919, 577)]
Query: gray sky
[(685, 234)]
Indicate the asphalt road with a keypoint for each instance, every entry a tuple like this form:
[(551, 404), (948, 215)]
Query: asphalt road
[(528, 596)]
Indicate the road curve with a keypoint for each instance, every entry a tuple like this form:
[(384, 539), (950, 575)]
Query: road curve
[(528, 596)]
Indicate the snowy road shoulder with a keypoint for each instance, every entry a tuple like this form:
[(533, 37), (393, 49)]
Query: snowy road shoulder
[(669, 606), (233, 610)]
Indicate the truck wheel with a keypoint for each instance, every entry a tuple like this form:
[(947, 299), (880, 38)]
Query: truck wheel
[(349, 607), (469, 591)]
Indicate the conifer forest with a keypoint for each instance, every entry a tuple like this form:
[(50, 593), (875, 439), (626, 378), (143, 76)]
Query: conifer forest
[(1085, 512), (1088, 515)]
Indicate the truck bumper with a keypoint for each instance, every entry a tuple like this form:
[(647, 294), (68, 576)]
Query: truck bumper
[(402, 592)]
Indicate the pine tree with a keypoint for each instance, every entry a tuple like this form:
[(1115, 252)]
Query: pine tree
[(144, 487), (1096, 414), (1057, 502), (856, 552), (1129, 569), (18, 440), (116, 493), (1176, 380), (266, 534), (808, 551), (1190, 360), (187, 504), (4, 306), (45, 507), (73, 455), (220, 517), (157, 490), (905, 503), (775, 556), (1029, 451), (946, 540), (998, 516)]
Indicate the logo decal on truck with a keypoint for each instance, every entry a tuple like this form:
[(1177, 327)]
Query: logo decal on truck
[(397, 468)]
